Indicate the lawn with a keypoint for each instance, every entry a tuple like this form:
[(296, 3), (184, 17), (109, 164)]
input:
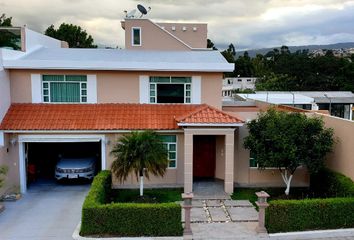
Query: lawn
[(275, 193), (161, 195)]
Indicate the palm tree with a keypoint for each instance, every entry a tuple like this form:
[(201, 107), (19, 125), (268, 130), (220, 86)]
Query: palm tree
[(139, 152)]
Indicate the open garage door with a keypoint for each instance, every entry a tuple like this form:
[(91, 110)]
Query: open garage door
[(48, 158), (79, 160)]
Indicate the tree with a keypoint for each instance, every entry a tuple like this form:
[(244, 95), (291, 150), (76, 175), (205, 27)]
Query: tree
[(74, 35), (10, 38), (139, 153), (5, 21), (288, 140), (229, 53), (211, 45)]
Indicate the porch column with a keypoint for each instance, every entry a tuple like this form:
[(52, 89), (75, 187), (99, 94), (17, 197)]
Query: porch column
[(188, 162), (229, 162)]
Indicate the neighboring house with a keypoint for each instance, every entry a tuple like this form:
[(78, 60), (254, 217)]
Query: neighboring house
[(338, 103), (284, 98), (231, 85), (57, 100)]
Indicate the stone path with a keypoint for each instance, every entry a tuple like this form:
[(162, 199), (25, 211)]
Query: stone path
[(222, 211)]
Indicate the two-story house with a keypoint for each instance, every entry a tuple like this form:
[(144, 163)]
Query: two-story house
[(57, 100)]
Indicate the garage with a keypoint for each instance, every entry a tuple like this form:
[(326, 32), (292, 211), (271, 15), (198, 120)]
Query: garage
[(62, 159)]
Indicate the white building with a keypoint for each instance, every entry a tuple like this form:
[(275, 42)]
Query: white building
[(239, 83)]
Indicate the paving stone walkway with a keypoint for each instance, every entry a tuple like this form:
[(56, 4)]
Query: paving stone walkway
[(222, 211)]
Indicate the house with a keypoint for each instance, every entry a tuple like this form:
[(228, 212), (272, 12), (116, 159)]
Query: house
[(338, 103), (230, 85), (57, 100)]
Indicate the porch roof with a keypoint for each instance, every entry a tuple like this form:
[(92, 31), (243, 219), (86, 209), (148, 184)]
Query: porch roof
[(106, 117), (208, 116)]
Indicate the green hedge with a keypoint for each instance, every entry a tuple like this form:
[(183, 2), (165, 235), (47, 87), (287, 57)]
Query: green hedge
[(311, 214), (126, 219), (332, 184)]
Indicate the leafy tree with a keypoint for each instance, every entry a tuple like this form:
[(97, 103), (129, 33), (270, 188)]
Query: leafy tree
[(5, 21), (243, 66), (9, 38), (274, 82), (74, 35), (229, 53), (139, 153), (211, 45), (287, 141)]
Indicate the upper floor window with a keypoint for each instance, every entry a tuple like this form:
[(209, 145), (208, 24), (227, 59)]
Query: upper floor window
[(64, 88), (170, 89), (136, 36)]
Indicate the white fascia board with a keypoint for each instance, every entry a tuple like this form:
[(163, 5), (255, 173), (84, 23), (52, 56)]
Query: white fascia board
[(123, 66), (210, 124), (60, 138)]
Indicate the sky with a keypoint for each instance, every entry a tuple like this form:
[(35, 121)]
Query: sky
[(248, 24)]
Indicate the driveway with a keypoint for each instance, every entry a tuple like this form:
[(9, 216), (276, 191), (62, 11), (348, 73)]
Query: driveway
[(46, 211)]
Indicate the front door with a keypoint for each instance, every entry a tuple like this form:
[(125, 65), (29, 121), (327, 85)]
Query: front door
[(204, 156)]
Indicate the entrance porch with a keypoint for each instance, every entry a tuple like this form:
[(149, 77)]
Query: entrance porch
[(209, 156)]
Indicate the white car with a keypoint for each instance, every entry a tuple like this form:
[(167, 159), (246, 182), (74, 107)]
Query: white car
[(69, 168)]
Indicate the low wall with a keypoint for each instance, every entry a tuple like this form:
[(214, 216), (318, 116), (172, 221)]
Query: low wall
[(342, 158)]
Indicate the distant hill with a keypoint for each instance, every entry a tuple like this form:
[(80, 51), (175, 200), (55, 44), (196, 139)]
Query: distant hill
[(254, 52)]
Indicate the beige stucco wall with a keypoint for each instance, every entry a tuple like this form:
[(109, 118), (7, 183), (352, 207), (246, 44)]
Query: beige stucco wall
[(152, 37), (9, 157), (20, 85), (220, 158), (211, 88), (194, 39), (115, 86), (342, 157)]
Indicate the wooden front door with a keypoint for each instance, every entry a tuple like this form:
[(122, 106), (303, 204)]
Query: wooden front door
[(204, 156)]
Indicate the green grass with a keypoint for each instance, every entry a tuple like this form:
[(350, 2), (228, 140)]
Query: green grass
[(275, 193), (161, 195)]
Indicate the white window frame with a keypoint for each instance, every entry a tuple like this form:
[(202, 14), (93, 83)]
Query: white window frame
[(132, 36), (48, 95), (176, 151), (185, 90)]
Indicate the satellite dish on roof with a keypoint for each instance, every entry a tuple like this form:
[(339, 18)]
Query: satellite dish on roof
[(131, 14), (142, 10)]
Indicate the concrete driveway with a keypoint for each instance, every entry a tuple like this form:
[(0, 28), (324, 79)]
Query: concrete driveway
[(46, 211)]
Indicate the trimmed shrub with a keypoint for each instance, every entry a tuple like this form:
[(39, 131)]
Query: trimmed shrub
[(332, 184), (126, 219), (310, 214)]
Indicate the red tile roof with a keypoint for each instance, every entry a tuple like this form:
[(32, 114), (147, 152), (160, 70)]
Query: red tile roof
[(108, 116), (208, 115), (93, 116)]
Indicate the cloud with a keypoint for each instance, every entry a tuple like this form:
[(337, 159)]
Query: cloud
[(247, 24)]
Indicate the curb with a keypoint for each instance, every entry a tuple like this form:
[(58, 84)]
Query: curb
[(349, 232), (76, 236)]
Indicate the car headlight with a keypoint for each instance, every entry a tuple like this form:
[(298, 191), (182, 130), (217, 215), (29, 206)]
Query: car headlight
[(59, 170)]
